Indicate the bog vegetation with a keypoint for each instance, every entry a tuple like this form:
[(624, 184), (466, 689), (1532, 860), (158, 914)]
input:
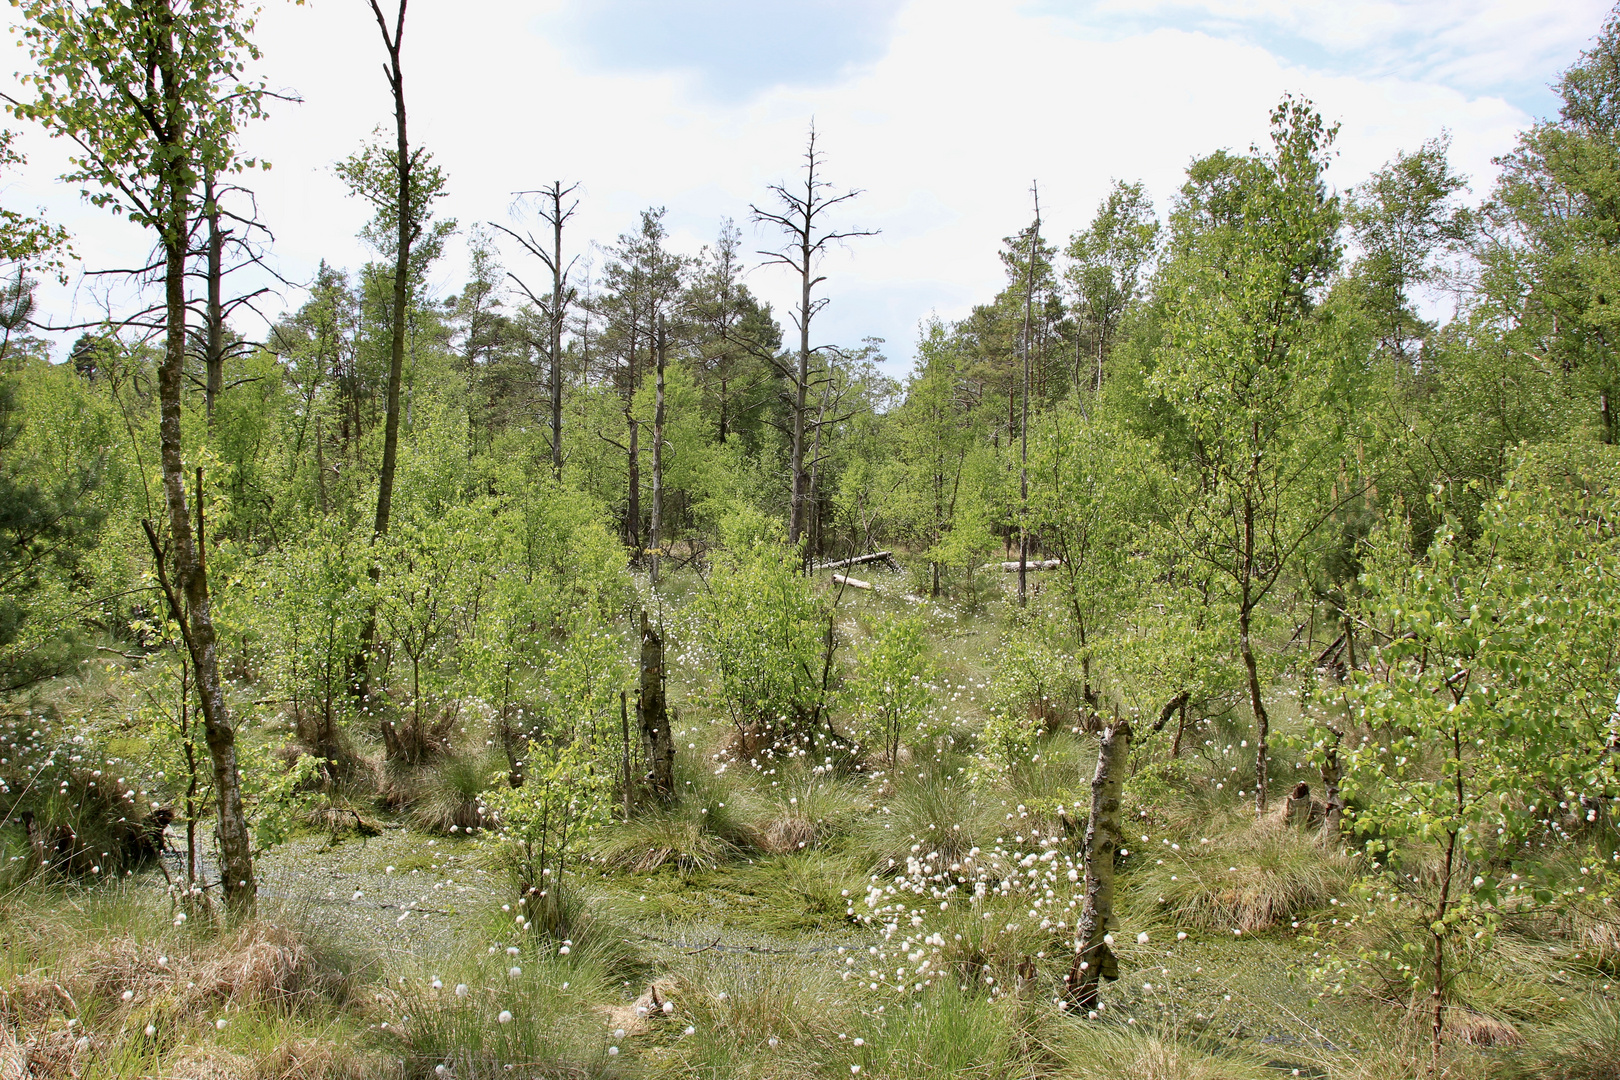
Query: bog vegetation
[(1204, 663)]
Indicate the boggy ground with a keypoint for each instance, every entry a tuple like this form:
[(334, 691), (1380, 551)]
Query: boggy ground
[(922, 928)]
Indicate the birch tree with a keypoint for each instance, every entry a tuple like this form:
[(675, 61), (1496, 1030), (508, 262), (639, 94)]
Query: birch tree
[(153, 93)]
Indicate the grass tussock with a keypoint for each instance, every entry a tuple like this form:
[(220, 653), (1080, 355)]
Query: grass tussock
[(448, 796), (806, 811), (1112, 1051), (1583, 1046), (675, 836), (474, 1019), (744, 1003), (938, 814), (106, 985), (1250, 879)]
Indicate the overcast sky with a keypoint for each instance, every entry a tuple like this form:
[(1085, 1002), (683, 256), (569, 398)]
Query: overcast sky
[(941, 111)]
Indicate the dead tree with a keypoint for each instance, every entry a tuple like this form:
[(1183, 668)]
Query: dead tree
[(801, 220), (1093, 959), (657, 740), (553, 213), (655, 530), (408, 222), (224, 231), (1023, 423)]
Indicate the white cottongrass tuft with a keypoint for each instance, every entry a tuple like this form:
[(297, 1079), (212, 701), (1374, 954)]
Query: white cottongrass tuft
[(505, 1017)]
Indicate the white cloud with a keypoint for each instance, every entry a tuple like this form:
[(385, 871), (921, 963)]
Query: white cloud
[(945, 132)]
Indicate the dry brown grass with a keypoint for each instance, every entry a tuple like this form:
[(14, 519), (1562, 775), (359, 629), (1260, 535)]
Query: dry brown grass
[(262, 963), (786, 832), (1476, 1029), (309, 1059)]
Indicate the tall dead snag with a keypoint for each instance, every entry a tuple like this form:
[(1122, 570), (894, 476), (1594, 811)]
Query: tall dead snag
[(553, 213), (801, 219), (407, 224), (1093, 959), (1023, 421), (655, 531), (653, 714)]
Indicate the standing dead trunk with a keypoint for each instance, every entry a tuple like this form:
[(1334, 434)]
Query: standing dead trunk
[(655, 533), (1297, 809), (405, 217), (556, 215), (214, 346), (653, 714), (558, 273), (799, 219), (1093, 959), (1023, 424), (632, 510)]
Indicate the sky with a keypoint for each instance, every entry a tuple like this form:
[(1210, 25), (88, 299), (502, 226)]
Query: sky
[(941, 112)]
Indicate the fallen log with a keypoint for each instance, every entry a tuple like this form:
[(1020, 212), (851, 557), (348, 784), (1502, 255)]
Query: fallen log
[(854, 583), (876, 556), (1012, 567)]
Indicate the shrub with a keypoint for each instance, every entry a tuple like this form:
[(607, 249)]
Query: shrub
[(890, 689), (538, 831), (765, 632)]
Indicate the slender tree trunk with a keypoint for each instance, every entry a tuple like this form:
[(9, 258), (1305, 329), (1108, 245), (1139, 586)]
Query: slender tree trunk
[(214, 357), (723, 418), (624, 745), (396, 344), (653, 714), (557, 219), (800, 402), (1262, 721), (1023, 424), (632, 511), (655, 536), (1093, 959)]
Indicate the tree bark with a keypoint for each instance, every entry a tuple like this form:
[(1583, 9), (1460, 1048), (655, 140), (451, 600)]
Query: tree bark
[(1262, 721), (653, 714), (1093, 959)]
